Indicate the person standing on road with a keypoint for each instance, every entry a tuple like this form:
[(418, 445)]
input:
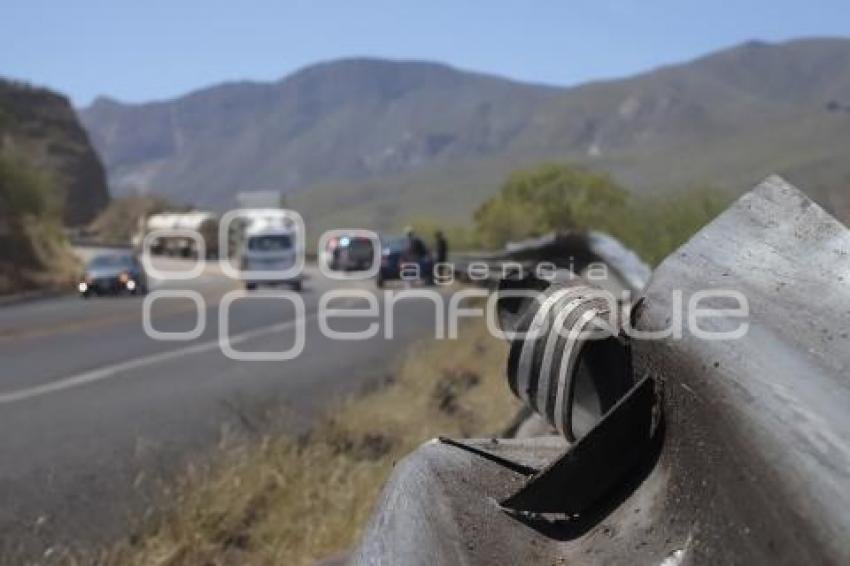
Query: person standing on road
[(415, 252), (415, 249), (441, 247)]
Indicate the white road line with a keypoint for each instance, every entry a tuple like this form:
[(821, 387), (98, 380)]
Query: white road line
[(114, 370)]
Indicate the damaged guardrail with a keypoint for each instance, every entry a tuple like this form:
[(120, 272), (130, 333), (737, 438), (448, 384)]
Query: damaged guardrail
[(575, 251), (671, 448)]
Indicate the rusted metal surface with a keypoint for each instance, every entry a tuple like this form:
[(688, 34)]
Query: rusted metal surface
[(751, 463)]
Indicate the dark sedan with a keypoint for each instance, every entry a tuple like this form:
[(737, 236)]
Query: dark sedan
[(113, 274), (393, 253)]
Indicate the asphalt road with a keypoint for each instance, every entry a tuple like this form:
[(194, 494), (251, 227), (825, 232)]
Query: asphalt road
[(95, 414)]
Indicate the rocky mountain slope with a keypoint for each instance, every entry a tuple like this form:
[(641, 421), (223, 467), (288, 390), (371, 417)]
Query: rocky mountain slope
[(375, 141), (40, 127), (352, 119)]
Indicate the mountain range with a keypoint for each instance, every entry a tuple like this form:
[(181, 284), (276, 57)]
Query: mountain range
[(374, 142)]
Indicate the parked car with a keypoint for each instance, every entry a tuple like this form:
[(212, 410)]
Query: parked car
[(392, 259), (113, 274), (350, 252), (270, 251)]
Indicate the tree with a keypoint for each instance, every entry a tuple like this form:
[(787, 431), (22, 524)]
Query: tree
[(550, 197)]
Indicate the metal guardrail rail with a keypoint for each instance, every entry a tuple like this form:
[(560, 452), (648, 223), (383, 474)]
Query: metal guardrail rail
[(565, 250), (733, 451)]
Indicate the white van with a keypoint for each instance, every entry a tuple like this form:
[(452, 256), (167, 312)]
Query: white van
[(270, 250)]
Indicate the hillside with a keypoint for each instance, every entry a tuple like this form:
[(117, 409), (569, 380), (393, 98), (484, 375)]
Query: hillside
[(351, 119), (375, 142), (726, 120), (40, 127)]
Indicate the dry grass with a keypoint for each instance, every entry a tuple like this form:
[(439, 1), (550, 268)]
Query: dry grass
[(34, 252), (49, 262), (293, 501)]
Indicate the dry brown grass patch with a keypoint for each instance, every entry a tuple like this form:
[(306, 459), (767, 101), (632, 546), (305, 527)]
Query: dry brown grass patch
[(292, 501)]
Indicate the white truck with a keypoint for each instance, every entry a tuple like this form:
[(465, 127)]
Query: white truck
[(202, 223)]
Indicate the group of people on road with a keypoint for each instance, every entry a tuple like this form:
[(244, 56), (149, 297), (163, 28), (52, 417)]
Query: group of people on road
[(416, 252)]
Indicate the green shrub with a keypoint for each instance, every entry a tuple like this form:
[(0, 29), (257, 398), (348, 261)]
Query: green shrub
[(655, 226), (24, 191), (546, 198), (34, 250), (553, 197)]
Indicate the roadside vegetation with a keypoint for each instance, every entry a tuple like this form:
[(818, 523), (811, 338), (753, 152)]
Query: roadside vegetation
[(34, 252), (555, 197), (286, 500)]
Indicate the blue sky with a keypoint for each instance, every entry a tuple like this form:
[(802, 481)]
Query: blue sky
[(143, 50)]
